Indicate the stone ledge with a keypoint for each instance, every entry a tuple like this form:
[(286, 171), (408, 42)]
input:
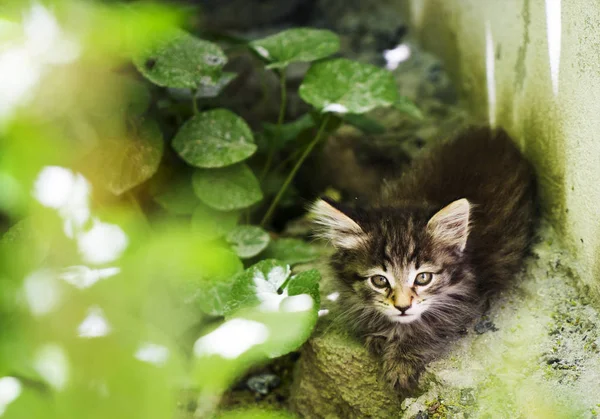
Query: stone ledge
[(537, 354)]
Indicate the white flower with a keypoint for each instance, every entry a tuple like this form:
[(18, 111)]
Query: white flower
[(83, 277), (37, 44), (94, 325), (152, 353), (296, 303), (232, 339), (10, 389), (267, 289), (42, 292), (61, 189), (395, 56), (52, 364), (103, 243)]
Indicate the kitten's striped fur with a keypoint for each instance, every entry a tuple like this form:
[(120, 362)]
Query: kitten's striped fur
[(461, 218)]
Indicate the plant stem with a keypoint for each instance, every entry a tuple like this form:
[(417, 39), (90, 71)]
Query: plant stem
[(283, 103), (292, 174), (194, 102), (280, 118)]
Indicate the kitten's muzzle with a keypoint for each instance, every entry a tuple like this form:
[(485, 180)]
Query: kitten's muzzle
[(402, 309)]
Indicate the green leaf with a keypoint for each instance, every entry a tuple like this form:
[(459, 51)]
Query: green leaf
[(267, 286), (178, 198), (181, 60), (123, 163), (344, 86), (210, 224), (287, 304), (213, 90), (296, 45), (291, 251), (364, 123), (279, 136), (408, 107), (215, 138), (228, 188), (248, 241)]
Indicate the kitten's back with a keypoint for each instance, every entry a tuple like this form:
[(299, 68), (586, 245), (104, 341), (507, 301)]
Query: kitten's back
[(484, 166)]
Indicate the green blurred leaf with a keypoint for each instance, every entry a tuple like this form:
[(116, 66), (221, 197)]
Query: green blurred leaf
[(364, 123), (248, 241), (181, 60), (178, 198), (228, 188), (213, 90), (408, 107), (262, 322), (296, 45), (123, 163), (280, 136), (291, 251), (210, 224), (344, 86), (215, 138)]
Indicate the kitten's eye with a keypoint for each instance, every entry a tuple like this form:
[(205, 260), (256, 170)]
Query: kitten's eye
[(423, 278), (379, 281)]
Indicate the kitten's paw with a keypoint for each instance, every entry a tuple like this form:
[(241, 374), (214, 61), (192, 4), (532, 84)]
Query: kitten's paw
[(403, 378)]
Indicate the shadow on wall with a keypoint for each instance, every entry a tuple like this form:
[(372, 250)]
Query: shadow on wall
[(532, 67)]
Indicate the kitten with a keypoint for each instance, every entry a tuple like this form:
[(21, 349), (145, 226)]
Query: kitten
[(417, 268)]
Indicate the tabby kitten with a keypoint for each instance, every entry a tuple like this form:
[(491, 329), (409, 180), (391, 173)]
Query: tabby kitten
[(417, 268)]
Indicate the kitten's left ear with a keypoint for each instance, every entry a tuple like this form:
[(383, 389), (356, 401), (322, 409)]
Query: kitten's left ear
[(336, 226), (450, 225)]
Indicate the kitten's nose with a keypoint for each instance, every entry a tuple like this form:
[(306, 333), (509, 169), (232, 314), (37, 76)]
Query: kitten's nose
[(403, 309)]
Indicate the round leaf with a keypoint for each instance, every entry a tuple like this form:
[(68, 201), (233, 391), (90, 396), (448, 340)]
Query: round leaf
[(291, 251), (226, 189), (248, 241), (295, 45), (123, 163), (215, 138), (210, 224), (345, 86), (178, 198), (182, 60)]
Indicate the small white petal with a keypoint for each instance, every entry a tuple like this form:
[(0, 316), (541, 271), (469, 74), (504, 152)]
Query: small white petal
[(336, 108), (10, 389), (333, 296), (103, 243), (94, 325), (394, 57), (297, 303), (53, 186), (83, 277), (323, 312), (262, 51), (267, 289), (232, 339), (42, 292), (152, 353), (52, 364)]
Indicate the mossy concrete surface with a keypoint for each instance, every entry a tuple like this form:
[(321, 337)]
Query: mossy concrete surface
[(535, 355), (532, 67)]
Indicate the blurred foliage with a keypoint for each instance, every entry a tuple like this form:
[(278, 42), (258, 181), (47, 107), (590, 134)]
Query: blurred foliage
[(112, 304)]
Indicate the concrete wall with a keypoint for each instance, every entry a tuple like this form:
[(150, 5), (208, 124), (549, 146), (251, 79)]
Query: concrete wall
[(533, 67)]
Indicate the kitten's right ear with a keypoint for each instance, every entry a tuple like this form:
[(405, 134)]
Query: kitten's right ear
[(336, 226)]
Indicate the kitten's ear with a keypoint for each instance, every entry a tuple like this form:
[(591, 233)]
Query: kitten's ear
[(336, 226), (450, 225)]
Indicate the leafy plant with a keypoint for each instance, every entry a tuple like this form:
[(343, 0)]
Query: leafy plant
[(201, 260), (218, 145)]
